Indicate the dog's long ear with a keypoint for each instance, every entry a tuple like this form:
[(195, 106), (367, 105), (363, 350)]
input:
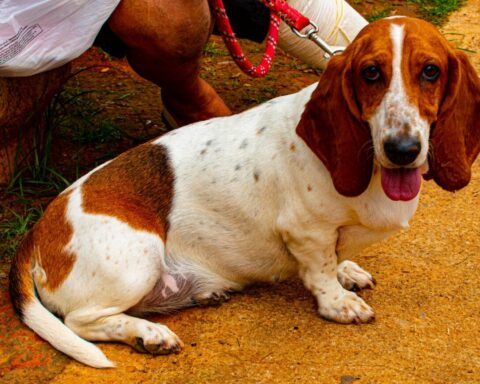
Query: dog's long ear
[(331, 126), (455, 137)]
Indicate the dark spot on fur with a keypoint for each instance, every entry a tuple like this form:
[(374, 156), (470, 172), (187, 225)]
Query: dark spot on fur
[(208, 142), (238, 167), (256, 175), (309, 187), (243, 144), (203, 151), (293, 147), (260, 130)]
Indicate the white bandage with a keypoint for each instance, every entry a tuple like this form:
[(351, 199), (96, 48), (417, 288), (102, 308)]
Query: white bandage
[(338, 24)]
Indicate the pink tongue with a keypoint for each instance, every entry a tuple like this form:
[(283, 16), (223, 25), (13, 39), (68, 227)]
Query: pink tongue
[(401, 183)]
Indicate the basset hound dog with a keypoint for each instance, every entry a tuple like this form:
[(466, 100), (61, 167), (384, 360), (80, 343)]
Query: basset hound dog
[(292, 186)]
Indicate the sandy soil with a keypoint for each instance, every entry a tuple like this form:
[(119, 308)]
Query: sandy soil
[(427, 311)]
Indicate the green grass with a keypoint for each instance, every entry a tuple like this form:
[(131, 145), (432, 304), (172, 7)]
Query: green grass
[(258, 96), (436, 11), (378, 14), (14, 227), (214, 49), (37, 178), (78, 117)]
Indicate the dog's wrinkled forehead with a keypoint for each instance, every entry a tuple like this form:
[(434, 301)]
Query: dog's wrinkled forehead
[(392, 53), (418, 34)]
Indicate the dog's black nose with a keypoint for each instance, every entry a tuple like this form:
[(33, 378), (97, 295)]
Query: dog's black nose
[(402, 151)]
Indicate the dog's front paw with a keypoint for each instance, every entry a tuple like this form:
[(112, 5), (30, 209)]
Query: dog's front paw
[(156, 339), (354, 278), (346, 307)]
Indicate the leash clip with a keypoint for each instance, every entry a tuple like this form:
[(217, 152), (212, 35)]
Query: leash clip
[(311, 34)]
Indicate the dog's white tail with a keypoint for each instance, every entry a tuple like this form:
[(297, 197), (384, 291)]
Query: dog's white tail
[(40, 320)]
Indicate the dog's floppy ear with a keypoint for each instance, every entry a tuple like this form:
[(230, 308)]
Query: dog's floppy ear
[(455, 137), (331, 126)]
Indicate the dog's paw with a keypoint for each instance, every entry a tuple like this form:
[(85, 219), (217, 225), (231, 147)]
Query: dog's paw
[(156, 339), (352, 277), (211, 299), (345, 308)]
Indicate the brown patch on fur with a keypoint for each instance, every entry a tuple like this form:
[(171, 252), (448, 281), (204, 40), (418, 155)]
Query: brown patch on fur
[(332, 127), (136, 187), (44, 244), (51, 234), (292, 147)]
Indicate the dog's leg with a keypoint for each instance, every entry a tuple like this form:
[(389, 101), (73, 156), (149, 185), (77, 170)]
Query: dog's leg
[(352, 239), (165, 41), (352, 277), (315, 252), (101, 325)]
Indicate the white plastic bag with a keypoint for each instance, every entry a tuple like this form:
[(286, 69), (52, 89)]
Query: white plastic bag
[(38, 35)]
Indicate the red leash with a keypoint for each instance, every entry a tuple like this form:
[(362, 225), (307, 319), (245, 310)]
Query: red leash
[(279, 9)]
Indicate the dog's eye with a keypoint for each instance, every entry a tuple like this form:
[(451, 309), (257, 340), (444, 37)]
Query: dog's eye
[(371, 73), (430, 72)]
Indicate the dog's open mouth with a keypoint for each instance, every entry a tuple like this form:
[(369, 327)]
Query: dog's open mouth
[(401, 183)]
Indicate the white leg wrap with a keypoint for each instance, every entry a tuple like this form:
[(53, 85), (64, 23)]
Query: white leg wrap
[(338, 25)]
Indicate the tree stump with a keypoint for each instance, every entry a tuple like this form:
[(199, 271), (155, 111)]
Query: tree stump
[(22, 104)]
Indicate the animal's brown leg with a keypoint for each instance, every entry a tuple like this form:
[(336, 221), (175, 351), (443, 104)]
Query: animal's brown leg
[(165, 40)]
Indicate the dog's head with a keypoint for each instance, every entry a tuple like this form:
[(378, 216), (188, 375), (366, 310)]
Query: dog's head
[(401, 97)]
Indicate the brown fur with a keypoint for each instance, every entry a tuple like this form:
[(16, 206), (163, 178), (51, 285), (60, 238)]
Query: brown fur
[(136, 187), (333, 128), (455, 137), (21, 287), (51, 234), (43, 245), (334, 124)]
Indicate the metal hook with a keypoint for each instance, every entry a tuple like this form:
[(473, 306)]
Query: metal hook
[(312, 35)]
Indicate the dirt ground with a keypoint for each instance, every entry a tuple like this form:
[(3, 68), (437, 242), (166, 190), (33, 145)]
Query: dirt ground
[(427, 327)]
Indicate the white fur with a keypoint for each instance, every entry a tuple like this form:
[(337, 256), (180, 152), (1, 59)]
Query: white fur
[(47, 326), (251, 203)]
